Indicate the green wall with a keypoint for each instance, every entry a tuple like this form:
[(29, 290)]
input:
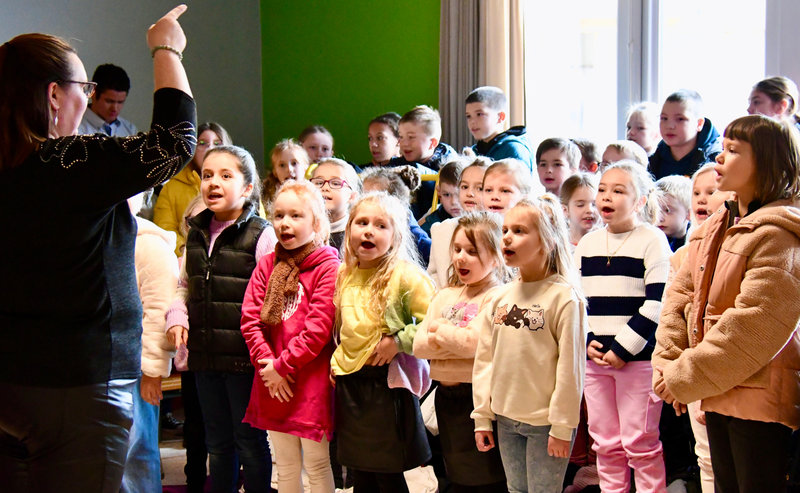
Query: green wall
[(341, 63)]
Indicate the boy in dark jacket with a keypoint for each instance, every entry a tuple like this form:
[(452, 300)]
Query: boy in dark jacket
[(688, 139), (447, 190), (487, 109), (420, 130)]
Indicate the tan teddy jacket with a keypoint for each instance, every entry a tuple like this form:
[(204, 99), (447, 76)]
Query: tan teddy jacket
[(728, 328)]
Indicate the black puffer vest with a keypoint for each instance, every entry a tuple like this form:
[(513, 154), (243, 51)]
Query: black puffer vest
[(217, 284)]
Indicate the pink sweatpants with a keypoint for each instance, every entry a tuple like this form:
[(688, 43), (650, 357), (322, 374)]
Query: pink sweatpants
[(623, 421)]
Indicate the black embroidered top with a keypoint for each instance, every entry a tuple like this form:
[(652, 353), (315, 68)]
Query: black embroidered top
[(69, 306)]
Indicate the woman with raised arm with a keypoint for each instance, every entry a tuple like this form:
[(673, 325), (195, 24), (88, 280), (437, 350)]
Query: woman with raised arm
[(70, 317)]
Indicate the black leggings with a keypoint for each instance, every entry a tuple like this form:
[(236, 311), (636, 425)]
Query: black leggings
[(373, 482), (747, 456)]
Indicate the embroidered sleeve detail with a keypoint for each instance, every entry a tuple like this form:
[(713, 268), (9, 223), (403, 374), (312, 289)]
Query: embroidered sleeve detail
[(67, 151), (161, 151)]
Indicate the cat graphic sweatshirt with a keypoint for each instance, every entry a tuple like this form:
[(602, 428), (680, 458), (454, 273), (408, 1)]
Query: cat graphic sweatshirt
[(531, 357)]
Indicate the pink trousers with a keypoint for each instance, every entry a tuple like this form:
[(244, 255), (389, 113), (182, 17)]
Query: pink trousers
[(623, 421)]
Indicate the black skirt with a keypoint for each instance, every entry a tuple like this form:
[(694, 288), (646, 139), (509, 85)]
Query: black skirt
[(464, 463), (378, 429)]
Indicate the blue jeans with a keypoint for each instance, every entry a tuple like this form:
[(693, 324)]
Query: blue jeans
[(524, 451), (223, 400), (143, 465), (71, 439)]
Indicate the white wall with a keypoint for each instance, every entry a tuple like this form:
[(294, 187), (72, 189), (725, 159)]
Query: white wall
[(222, 57), (783, 39)]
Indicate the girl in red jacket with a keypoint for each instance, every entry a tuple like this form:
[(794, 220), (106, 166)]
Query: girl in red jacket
[(287, 322)]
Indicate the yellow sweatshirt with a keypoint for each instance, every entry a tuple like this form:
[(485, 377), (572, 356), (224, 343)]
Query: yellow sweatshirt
[(410, 291)]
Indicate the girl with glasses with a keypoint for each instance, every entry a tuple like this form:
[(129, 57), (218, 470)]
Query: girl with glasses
[(340, 187)]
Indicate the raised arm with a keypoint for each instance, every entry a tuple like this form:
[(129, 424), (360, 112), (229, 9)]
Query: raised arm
[(163, 37)]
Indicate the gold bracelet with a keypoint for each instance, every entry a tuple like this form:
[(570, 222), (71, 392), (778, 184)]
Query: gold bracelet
[(168, 48)]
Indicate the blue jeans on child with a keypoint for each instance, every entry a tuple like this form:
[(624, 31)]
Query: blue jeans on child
[(142, 464), (223, 399), (523, 449)]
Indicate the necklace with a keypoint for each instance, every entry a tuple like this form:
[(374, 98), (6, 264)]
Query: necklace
[(609, 253)]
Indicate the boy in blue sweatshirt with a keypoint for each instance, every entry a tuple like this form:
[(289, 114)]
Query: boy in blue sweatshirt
[(688, 139), (487, 109)]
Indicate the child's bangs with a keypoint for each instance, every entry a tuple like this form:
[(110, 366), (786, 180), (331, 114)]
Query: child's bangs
[(741, 129)]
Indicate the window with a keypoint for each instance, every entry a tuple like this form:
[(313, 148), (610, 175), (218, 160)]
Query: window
[(586, 61), (717, 48), (571, 69)]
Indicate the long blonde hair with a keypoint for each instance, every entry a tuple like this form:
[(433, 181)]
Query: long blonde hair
[(402, 249), (553, 233)]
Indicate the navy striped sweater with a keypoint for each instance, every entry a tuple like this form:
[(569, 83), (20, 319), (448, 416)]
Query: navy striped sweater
[(624, 292)]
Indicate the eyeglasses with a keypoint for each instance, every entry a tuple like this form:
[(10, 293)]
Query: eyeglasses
[(335, 183), (87, 87)]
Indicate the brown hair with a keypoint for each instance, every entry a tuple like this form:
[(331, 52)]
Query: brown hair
[(493, 97), (215, 127), (485, 228), (776, 150), (247, 166), (450, 173), (391, 120), (573, 183), (569, 148), (218, 130), (29, 63), (778, 89), (311, 130), (399, 182), (588, 149), (691, 101)]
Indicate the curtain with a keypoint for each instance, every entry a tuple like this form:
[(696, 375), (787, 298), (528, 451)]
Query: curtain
[(458, 67), (480, 43), (502, 63)]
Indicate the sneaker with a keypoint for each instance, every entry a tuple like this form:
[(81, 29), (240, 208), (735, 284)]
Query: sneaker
[(168, 422)]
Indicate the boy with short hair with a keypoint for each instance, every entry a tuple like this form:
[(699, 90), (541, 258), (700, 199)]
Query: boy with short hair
[(676, 208), (556, 160), (447, 191), (688, 139), (590, 156), (107, 101), (486, 110), (420, 131)]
